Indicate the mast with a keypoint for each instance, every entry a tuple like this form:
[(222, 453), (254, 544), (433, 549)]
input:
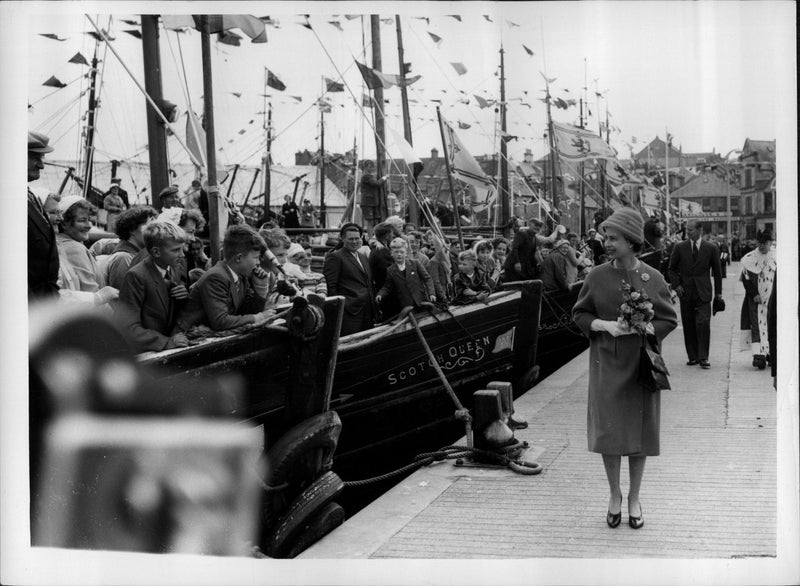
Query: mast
[(211, 159), (322, 208), (666, 177), (233, 178), (453, 200), (156, 133), (551, 139), (505, 203), (89, 146), (413, 207), (380, 132), (581, 188)]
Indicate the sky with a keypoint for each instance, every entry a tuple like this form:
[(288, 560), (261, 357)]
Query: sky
[(706, 72)]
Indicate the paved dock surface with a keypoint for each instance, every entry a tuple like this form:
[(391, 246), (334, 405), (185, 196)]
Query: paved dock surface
[(711, 493)]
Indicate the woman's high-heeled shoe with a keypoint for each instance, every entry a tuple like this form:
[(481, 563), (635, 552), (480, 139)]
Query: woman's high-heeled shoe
[(636, 522), (613, 519)]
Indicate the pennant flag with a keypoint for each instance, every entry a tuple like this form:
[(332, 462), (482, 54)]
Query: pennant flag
[(511, 24), (407, 152), (436, 38), (425, 18), (54, 82), (463, 101), (307, 23), (351, 16), (387, 21), (253, 27), (133, 32), (486, 16), (333, 86), (577, 144), (463, 165), (298, 98), (237, 94), (52, 36), (459, 67), (324, 105), (337, 24), (375, 79), (79, 59), (483, 103), (130, 22), (456, 16), (463, 125), (274, 82), (242, 131), (548, 80), (97, 36), (528, 51)]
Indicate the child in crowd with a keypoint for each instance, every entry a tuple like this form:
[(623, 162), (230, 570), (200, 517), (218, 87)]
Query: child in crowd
[(415, 248), (281, 289), (483, 250), (441, 271), (150, 298), (298, 266), (233, 292), (470, 283), (406, 280)]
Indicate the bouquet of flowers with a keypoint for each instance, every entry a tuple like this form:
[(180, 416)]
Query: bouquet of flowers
[(636, 310)]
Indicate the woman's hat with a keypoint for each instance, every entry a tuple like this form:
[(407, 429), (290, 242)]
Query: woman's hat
[(69, 201), (293, 249), (629, 222)]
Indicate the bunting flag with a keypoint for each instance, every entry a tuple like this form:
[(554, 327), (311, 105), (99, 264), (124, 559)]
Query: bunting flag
[(130, 22), (274, 82), (463, 101), (486, 16), (375, 79), (54, 82), (98, 37), (324, 105), (511, 24), (52, 36), (229, 38), (351, 16), (425, 18), (437, 40), (576, 144), (528, 51), (133, 32), (79, 59), (459, 67), (463, 125), (482, 102), (297, 98), (333, 86), (237, 94), (559, 103), (242, 131), (337, 24), (463, 165), (456, 16), (407, 152), (253, 27)]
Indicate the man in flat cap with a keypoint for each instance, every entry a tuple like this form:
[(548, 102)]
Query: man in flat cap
[(169, 197), (42, 251)]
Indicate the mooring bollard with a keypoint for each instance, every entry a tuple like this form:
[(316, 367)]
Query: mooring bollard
[(507, 397), (490, 429)]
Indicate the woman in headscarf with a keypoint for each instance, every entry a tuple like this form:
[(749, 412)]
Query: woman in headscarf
[(79, 278), (758, 275), (623, 417)]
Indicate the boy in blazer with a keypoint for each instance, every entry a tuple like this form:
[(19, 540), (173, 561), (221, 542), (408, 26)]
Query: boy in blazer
[(233, 292), (151, 295), (347, 273), (689, 267), (406, 279)]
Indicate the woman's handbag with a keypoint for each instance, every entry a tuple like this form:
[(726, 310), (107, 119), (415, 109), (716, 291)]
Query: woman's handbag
[(653, 371)]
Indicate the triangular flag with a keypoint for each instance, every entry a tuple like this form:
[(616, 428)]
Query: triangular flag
[(237, 94), (274, 82), (242, 131), (52, 36), (511, 24), (463, 165), (133, 32), (98, 37), (436, 38), (79, 59), (333, 86), (337, 24), (463, 125), (375, 79), (54, 82), (130, 22), (528, 51), (486, 16), (459, 67), (483, 103), (351, 16), (456, 16)]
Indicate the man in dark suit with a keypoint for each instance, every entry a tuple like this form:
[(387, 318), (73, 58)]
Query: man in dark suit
[(689, 267), (347, 273), (42, 251), (406, 280), (150, 298)]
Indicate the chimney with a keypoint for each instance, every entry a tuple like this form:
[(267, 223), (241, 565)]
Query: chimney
[(528, 156), (434, 153)]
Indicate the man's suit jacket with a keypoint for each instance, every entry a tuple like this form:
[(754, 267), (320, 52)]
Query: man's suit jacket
[(693, 275), (42, 255), (216, 301), (145, 309), (412, 287), (523, 251), (345, 277)]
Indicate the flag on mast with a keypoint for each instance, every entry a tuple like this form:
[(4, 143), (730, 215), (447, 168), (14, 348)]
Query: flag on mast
[(463, 165), (407, 151), (576, 144)]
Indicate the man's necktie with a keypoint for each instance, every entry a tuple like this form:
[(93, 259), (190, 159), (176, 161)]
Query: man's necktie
[(694, 251)]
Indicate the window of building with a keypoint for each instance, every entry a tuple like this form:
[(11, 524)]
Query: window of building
[(749, 177), (768, 202), (734, 205), (747, 204), (706, 204), (768, 227)]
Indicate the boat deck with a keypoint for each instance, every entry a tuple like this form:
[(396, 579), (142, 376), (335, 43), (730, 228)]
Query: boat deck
[(711, 493)]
